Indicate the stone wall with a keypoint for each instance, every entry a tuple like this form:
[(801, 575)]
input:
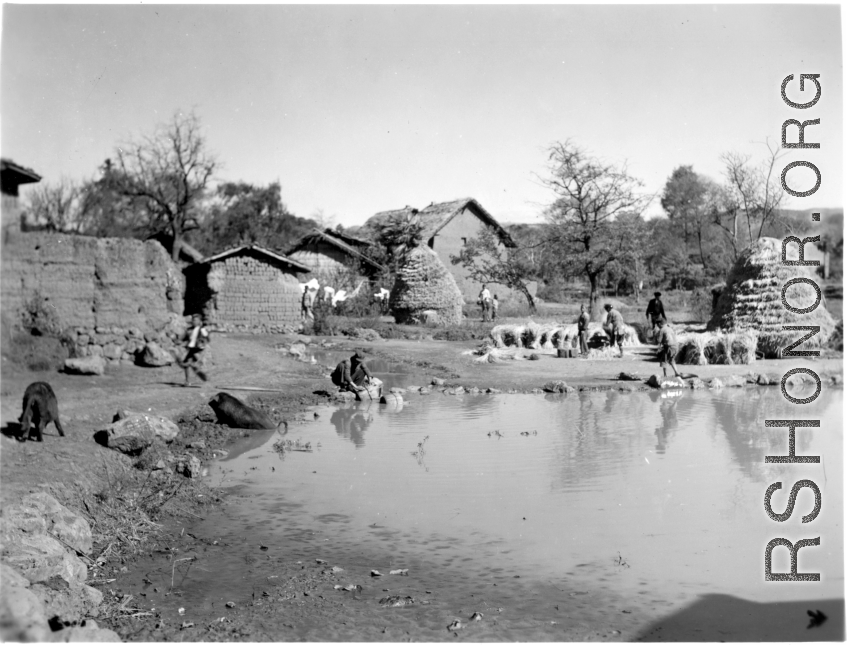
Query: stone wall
[(249, 292), (107, 294)]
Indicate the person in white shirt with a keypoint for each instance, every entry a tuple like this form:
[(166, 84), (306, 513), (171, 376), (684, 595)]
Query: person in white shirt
[(485, 301), (197, 342)]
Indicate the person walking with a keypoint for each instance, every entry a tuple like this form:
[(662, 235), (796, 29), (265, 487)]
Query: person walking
[(614, 326), (197, 340), (655, 312), (668, 346), (582, 330)]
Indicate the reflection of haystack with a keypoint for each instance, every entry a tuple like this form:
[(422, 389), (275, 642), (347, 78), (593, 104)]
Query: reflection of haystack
[(752, 299), (711, 348), (424, 284)]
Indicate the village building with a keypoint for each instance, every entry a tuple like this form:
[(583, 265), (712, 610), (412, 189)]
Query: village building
[(11, 176), (247, 288), (447, 227), (328, 253)]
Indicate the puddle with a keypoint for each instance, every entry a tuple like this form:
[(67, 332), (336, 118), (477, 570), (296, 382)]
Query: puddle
[(654, 500)]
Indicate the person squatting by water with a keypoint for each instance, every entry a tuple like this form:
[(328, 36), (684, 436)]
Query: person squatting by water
[(582, 330), (485, 302), (668, 346), (655, 312), (352, 373), (197, 341), (614, 326)]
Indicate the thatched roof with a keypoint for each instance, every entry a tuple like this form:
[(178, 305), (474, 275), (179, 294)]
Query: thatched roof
[(253, 249), (752, 298), (423, 283), (436, 216), (342, 242)]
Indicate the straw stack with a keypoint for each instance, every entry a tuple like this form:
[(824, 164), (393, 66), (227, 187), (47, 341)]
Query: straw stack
[(752, 300), (423, 283)]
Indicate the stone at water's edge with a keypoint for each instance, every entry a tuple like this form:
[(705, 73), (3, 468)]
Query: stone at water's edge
[(696, 384), (22, 616), (190, 466), (628, 376), (154, 355), (557, 387), (438, 381), (43, 511), (663, 383), (733, 380), (90, 365), (716, 383), (136, 431)]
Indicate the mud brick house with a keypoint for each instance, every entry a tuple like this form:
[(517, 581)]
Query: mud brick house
[(327, 252), (247, 288), (447, 227), (11, 176)]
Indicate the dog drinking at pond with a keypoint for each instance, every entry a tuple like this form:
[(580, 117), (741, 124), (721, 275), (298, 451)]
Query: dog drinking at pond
[(235, 414), (40, 408)]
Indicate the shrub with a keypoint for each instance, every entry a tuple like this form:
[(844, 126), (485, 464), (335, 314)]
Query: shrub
[(39, 317)]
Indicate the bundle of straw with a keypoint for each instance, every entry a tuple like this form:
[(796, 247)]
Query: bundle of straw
[(691, 350)]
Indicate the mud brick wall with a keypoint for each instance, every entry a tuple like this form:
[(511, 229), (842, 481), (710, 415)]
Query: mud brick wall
[(108, 294), (253, 293)]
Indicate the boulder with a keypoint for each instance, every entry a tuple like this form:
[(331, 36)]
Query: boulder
[(87, 634), (628, 376), (733, 380), (93, 365), (764, 379), (493, 390), (190, 466), (696, 383), (41, 557), (555, 386), (43, 511), (153, 355), (136, 431), (297, 349), (438, 381), (61, 602), (22, 617), (716, 383), (112, 352), (663, 382)]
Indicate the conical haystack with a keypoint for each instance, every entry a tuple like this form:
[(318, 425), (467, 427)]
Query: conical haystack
[(423, 283), (752, 299)]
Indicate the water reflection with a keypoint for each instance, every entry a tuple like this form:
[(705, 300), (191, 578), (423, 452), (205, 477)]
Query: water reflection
[(352, 422)]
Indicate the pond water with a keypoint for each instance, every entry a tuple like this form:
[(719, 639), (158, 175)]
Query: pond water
[(559, 486), (653, 499)]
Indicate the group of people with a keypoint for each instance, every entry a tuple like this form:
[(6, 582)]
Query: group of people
[(489, 304), (662, 333)]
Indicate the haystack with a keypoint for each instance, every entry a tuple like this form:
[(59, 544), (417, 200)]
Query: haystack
[(424, 284), (752, 299), (716, 348), (551, 336)]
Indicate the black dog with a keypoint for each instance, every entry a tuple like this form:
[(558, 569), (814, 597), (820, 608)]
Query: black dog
[(40, 408), (235, 414)]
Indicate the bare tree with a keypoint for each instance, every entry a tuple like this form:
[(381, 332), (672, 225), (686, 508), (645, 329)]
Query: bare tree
[(169, 171), (588, 221), (55, 206), (752, 194)]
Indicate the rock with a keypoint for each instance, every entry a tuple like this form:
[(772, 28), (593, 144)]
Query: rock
[(190, 467), (716, 383), (159, 465), (90, 365), (492, 390), (12, 577), (424, 391), (764, 379), (136, 431), (438, 381), (733, 380), (297, 349), (534, 357), (112, 352), (58, 520), (458, 390), (197, 445), (41, 557), (696, 383), (836, 380), (555, 386), (344, 396), (366, 334), (83, 339), (66, 604), (663, 382), (134, 332), (473, 390), (22, 616), (153, 355), (628, 376)]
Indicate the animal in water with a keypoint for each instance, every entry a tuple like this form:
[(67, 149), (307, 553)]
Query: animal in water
[(235, 414), (40, 408)]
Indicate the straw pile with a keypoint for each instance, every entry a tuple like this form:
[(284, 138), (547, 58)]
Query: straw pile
[(424, 284), (550, 336), (752, 299), (711, 348)]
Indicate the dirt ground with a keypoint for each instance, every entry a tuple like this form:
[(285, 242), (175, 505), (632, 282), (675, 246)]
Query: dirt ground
[(239, 363)]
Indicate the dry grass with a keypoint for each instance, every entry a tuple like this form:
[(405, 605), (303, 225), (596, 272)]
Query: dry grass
[(711, 348), (536, 336)]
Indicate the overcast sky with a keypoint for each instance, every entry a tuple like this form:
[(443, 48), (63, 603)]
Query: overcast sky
[(361, 109)]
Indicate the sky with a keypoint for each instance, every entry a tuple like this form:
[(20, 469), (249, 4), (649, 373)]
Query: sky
[(360, 109)]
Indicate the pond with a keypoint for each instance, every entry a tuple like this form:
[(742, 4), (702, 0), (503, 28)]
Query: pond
[(652, 498)]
